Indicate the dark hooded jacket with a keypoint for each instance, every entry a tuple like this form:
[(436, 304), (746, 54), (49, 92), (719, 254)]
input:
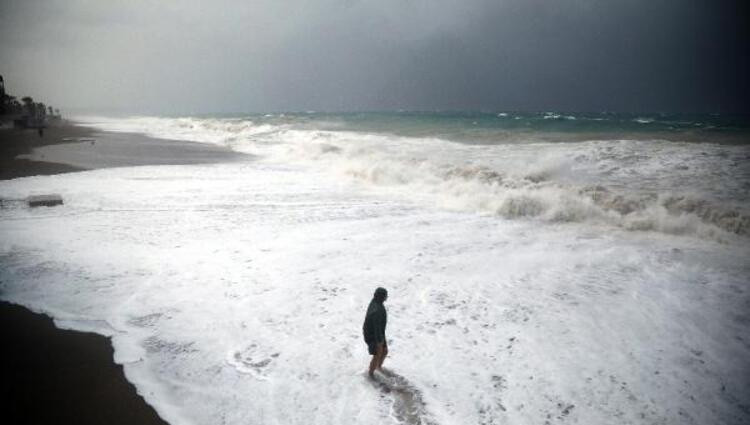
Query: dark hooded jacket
[(375, 321)]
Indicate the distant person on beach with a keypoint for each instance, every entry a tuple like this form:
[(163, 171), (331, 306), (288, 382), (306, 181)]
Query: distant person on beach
[(374, 330), (41, 132)]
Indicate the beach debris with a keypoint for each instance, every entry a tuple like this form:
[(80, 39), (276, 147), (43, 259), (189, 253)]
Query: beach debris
[(50, 200)]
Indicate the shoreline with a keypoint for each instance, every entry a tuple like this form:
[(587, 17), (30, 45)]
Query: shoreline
[(15, 142), (70, 148), (52, 375)]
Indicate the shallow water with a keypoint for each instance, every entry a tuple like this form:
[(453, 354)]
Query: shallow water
[(522, 289)]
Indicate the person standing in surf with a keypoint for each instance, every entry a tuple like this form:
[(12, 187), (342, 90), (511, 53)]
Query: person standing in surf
[(374, 330)]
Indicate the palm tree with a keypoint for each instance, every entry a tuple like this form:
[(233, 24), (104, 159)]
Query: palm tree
[(8, 104), (28, 104), (30, 108), (41, 111)]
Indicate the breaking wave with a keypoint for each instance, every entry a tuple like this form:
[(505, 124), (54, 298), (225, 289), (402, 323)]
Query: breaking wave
[(486, 190), (573, 182)]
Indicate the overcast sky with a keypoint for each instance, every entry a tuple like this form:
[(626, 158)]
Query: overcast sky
[(179, 57)]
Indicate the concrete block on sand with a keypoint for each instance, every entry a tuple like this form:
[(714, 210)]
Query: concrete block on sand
[(44, 200)]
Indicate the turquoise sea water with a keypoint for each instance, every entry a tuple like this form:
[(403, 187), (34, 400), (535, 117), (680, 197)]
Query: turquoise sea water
[(501, 127)]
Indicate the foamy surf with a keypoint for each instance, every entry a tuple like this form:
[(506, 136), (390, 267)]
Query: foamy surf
[(234, 293), (649, 185)]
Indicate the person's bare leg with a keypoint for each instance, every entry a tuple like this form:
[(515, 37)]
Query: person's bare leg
[(376, 360), (373, 365), (383, 353)]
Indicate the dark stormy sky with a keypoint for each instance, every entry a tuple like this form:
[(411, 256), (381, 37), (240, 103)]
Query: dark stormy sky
[(180, 57)]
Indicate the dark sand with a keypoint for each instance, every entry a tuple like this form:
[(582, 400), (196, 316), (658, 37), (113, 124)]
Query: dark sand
[(68, 148), (54, 376), (18, 142)]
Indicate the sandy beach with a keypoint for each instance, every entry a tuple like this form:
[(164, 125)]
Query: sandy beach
[(68, 148), (17, 142), (54, 376)]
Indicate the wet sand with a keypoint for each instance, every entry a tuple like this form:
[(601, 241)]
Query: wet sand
[(406, 400), (103, 150), (54, 376), (68, 148), (17, 142)]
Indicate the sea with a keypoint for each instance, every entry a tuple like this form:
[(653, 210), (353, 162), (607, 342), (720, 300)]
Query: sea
[(542, 268)]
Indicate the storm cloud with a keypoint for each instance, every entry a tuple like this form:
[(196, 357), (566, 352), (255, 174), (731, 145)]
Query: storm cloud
[(225, 56)]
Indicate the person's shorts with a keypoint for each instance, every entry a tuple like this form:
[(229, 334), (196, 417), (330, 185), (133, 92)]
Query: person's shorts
[(372, 347)]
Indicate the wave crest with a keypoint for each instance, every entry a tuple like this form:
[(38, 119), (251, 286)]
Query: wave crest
[(520, 183), (538, 196)]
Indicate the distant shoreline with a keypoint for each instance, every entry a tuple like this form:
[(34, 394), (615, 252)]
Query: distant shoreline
[(69, 148), (50, 375), (55, 376), (14, 142)]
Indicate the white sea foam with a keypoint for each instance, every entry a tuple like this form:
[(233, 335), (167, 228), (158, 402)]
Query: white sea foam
[(639, 185), (234, 293)]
